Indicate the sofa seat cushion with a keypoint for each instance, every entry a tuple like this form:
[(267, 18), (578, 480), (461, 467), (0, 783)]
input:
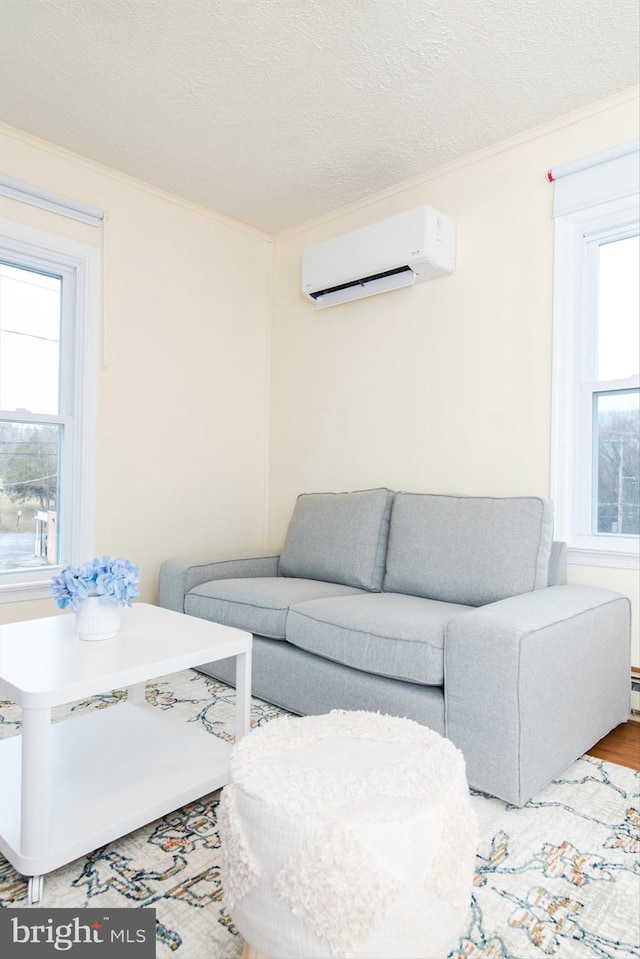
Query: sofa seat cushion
[(339, 538), (468, 549), (388, 634), (258, 604)]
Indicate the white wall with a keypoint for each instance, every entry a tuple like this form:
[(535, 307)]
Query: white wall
[(446, 386), (443, 387), (181, 406)]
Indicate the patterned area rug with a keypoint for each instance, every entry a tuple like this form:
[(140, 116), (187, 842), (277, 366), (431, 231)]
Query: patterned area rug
[(560, 877)]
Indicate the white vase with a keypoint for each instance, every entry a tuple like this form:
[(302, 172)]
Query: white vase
[(96, 620)]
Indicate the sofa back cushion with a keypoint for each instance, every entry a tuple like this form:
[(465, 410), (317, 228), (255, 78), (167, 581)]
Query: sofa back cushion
[(339, 538), (468, 549)]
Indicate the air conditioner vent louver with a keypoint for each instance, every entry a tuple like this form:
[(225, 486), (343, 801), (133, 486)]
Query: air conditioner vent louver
[(362, 282)]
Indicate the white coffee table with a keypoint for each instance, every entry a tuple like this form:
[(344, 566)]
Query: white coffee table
[(71, 787)]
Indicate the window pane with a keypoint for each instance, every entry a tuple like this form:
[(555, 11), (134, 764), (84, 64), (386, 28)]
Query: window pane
[(29, 470), (617, 437), (618, 321), (29, 340)]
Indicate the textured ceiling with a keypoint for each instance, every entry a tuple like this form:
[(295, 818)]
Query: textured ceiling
[(276, 111)]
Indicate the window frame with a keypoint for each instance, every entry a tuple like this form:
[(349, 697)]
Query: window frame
[(80, 267), (577, 236)]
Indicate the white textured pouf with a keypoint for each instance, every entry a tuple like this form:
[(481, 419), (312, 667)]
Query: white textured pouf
[(347, 835)]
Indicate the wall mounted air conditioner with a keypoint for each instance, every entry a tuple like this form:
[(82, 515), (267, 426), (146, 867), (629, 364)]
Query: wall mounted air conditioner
[(398, 251)]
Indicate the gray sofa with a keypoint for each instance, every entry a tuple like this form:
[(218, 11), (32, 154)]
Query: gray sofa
[(453, 611)]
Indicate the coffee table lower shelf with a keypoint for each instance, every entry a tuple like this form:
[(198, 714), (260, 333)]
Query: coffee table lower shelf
[(111, 771)]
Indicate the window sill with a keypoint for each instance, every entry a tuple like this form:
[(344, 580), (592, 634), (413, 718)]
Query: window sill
[(24, 591), (615, 559)]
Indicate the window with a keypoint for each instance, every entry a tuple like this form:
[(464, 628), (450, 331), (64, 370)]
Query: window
[(615, 408), (49, 304), (596, 409)]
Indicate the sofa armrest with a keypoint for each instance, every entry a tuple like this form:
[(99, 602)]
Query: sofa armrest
[(178, 576), (533, 681)]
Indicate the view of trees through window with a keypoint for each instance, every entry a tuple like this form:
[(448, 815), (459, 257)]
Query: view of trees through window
[(28, 493), (616, 411), (617, 418), (30, 447)]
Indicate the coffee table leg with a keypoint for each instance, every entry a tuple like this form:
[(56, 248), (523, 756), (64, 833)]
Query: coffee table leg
[(136, 694), (243, 694), (35, 796), (35, 890)]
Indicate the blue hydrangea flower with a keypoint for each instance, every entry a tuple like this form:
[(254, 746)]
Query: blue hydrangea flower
[(113, 580)]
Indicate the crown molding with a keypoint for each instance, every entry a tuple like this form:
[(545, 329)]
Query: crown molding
[(103, 170), (503, 146), (469, 159)]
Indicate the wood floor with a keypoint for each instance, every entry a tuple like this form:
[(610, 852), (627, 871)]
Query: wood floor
[(621, 746)]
